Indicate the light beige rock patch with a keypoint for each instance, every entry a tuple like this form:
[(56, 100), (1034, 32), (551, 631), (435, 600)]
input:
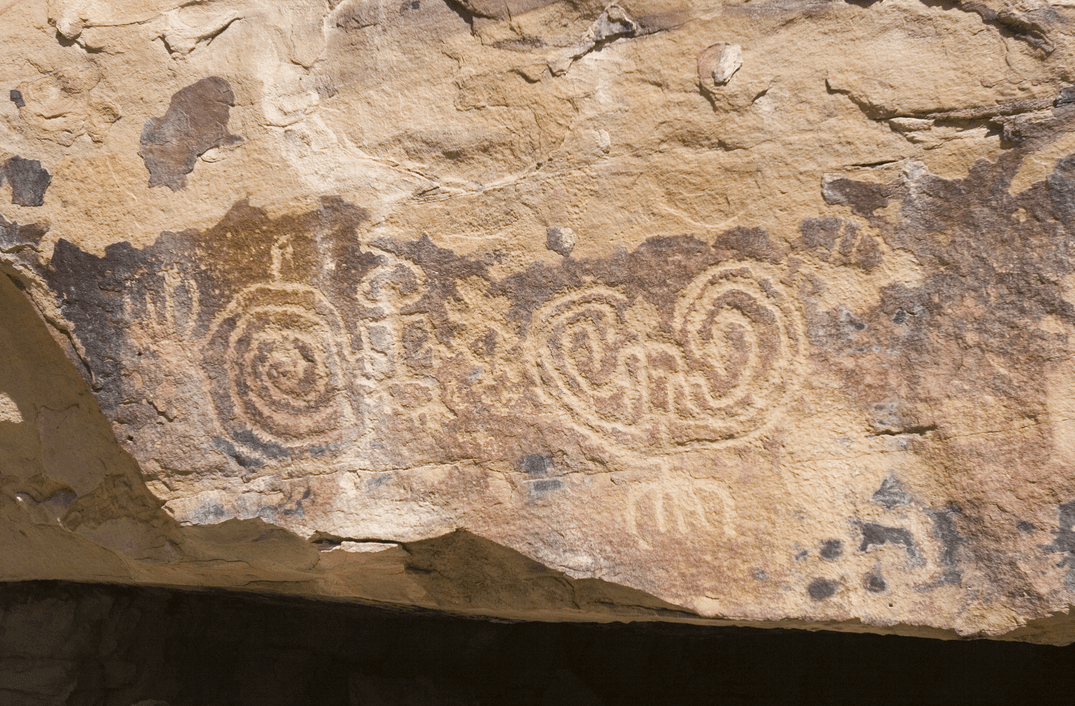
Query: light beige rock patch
[(9, 411)]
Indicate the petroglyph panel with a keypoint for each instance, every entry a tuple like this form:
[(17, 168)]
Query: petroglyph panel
[(763, 310), (338, 383)]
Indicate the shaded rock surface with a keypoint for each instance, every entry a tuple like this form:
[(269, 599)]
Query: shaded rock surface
[(81, 644), (752, 312)]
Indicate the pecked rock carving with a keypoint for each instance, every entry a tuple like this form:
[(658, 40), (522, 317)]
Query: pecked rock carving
[(736, 354), (285, 387)]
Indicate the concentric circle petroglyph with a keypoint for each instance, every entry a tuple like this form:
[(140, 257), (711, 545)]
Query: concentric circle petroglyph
[(742, 339), (278, 359), (590, 362), (734, 358)]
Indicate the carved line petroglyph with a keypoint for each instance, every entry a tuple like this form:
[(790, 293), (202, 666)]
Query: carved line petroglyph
[(734, 357), (291, 372), (388, 291), (279, 369), (166, 311), (289, 375), (683, 509)]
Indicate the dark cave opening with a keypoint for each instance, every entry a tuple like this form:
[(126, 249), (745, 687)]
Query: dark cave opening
[(90, 644)]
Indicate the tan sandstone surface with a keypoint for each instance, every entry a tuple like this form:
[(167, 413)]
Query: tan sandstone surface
[(754, 312)]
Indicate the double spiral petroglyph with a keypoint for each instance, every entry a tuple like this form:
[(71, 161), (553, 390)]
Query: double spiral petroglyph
[(731, 360)]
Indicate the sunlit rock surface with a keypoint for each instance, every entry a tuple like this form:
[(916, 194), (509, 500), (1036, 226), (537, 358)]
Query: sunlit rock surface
[(754, 312)]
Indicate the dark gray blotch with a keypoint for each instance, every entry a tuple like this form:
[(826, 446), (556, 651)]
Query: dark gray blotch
[(748, 243), (832, 549), (1024, 526), (1062, 189), (891, 493), (541, 487), (378, 480), (267, 449), (1065, 542), (196, 121), (536, 465), (875, 535), (820, 589), (29, 181), (17, 99), (820, 233), (560, 240), (944, 529), (863, 198), (14, 236), (228, 449), (875, 583), (210, 514)]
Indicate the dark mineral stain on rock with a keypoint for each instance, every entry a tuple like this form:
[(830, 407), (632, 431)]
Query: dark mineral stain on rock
[(1065, 542), (820, 234), (560, 240), (875, 535), (267, 449), (17, 99), (14, 236), (29, 181), (831, 549), (196, 121), (1024, 526), (944, 529), (536, 465), (548, 485), (891, 493), (229, 450), (863, 198), (820, 589), (749, 243), (874, 583), (19, 244), (979, 326)]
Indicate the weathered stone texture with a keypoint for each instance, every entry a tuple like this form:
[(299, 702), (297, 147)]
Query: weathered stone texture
[(750, 312)]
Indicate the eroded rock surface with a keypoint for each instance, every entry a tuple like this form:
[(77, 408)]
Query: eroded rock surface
[(750, 312)]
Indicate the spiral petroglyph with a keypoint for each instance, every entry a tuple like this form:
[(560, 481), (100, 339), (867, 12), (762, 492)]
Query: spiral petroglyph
[(279, 369), (742, 340), (735, 358), (592, 363)]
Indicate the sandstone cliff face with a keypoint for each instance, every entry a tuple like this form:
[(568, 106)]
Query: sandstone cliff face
[(701, 311)]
